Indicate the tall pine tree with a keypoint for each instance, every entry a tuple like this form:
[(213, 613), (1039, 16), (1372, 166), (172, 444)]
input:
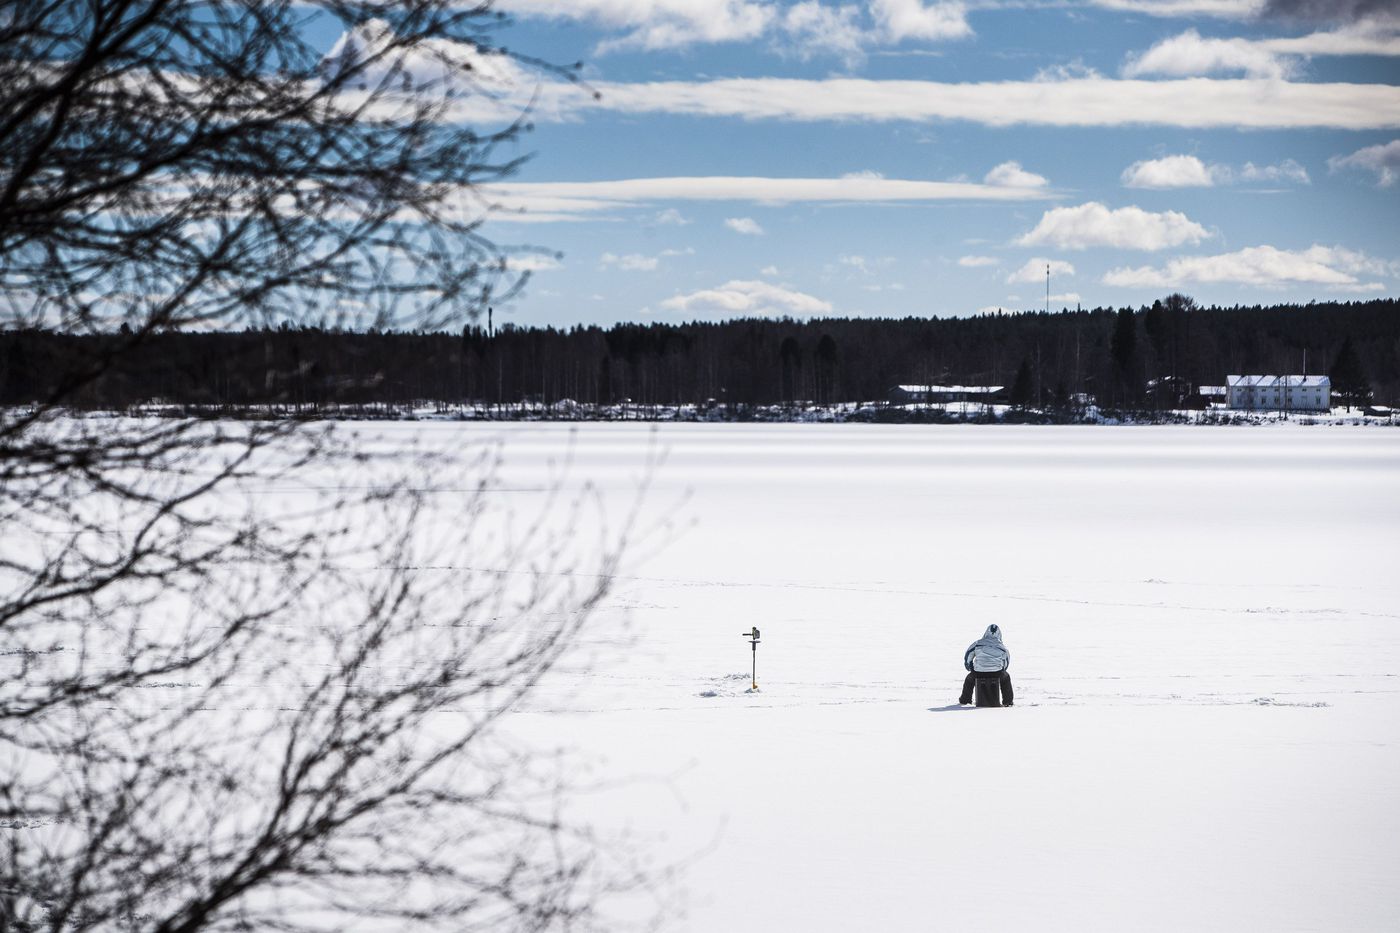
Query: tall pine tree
[(1124, 350), (1021, 388), (1349, 382)]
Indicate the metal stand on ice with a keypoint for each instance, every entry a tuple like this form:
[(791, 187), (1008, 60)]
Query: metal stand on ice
[(753, 641)]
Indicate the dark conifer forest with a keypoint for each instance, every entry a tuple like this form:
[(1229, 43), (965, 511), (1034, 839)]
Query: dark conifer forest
[(1125, 359)]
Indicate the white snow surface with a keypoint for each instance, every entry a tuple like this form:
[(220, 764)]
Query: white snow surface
[(1205, 627), (1205, 631)]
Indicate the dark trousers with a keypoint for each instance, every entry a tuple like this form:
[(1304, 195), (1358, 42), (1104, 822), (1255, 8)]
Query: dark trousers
[(1003, 678)]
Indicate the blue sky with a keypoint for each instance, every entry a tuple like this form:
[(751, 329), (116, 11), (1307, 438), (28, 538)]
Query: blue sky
[(898, 157)]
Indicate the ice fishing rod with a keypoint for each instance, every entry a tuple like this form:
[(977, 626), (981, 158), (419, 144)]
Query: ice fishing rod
[(753, 641)]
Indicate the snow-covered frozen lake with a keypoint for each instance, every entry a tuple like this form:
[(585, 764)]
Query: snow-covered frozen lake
[(1205, 628)]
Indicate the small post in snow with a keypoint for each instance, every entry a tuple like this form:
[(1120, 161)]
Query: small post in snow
[(753, 642)]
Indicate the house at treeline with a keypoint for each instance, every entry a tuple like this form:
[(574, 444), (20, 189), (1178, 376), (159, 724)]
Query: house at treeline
[(1213, 395), (938, 394), (1279, 393)]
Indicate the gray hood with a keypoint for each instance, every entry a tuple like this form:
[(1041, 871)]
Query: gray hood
[(988, 653)]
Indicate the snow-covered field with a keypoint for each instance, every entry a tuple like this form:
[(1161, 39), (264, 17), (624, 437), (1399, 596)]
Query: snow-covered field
[(1205, 630), (1205, 627)]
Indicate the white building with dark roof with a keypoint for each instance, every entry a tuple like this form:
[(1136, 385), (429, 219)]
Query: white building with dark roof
[(1279, 393)]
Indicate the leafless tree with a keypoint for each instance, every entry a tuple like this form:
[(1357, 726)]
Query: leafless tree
[(217, 711)]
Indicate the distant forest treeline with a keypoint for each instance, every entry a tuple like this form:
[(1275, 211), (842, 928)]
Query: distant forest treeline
[(1129, 358)]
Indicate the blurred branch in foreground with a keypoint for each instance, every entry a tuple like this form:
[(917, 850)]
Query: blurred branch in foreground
[(231, 696)]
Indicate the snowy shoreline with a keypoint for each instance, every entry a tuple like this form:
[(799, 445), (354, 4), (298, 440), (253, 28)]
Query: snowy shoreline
[(846, 413)]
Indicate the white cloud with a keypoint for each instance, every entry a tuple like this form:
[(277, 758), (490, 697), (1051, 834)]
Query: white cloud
[(913, 19), (866, 264), (1034, 271), (1353, 261), (436, 66), (557, 201), (770, 271), (1286, 171), (1362, 288), (670, 217), (1181, 171), (1383, 160), (745, 225), (973, 262), (861, 187), (632, 262), (668, 24), (658, 24), (532, 262), (814, 27), (638, 262), (491, 87), (744, 298), (1088, 101), (1178, 171), (1191, 54), (1066, 71), (1236, 104), (1093, 224), (1065, 297), (1259, 266), (1371, 36), (1224, 9), (1011, 175)]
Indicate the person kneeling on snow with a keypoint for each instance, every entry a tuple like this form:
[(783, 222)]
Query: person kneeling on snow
[(987, 655)]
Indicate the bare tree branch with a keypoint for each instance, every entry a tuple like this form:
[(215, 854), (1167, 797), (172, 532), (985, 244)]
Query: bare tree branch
[(233, 695)]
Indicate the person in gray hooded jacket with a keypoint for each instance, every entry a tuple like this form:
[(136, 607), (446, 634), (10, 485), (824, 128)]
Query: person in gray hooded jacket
[(987, 655)]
